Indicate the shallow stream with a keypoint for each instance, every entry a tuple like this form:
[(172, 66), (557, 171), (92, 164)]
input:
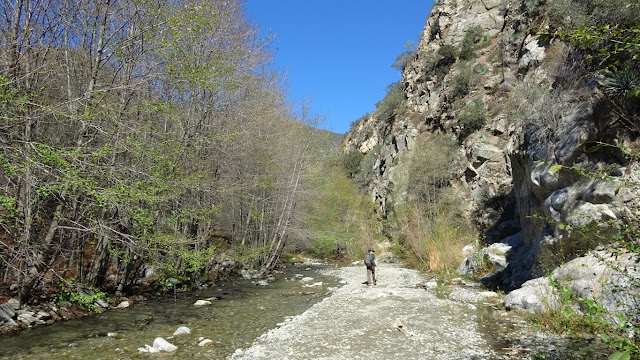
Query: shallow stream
[(243, 312)]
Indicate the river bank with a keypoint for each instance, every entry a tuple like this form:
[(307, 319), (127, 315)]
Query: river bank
[(404, 317)]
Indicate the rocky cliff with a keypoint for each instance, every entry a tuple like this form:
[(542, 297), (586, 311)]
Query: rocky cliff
[(544, 168)]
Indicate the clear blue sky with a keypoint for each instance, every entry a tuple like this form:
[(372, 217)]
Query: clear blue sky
[(338, 54)]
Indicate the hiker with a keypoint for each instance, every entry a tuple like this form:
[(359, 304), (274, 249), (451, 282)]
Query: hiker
[(371, 264)]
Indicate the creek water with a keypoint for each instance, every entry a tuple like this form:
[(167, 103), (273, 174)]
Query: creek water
[(243, 312)]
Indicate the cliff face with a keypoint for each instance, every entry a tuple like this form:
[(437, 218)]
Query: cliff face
[(526, 175)]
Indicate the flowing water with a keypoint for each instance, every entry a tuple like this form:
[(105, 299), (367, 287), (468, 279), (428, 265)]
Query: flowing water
[(243, 312)]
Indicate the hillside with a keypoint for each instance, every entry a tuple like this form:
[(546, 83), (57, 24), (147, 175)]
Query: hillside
[(518, 119)]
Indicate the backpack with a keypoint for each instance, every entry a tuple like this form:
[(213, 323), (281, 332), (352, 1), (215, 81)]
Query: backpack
[(368, 260)]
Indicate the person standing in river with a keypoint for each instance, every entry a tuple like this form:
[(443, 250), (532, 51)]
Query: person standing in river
[(371, 263)]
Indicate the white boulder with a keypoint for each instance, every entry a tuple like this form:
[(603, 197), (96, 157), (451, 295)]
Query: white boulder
[(182, 330), (202, 303), (163, 345)]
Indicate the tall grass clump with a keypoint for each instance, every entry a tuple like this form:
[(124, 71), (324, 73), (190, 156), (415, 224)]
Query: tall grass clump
[(433, 240), (431, 232)]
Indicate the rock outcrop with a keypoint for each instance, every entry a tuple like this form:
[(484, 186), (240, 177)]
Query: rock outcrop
[(534, 174)]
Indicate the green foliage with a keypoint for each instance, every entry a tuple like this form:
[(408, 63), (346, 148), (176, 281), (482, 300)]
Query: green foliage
[(447, 55), (471, 37), (460, 84), (473, 117), (481, 69), (340, 219), (83, 295), (622, 84), (434, 29), (392, 101), (609, 46), (350, 162), (618, 331)]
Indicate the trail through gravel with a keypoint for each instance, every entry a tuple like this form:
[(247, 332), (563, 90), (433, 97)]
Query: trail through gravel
[(396, 319)]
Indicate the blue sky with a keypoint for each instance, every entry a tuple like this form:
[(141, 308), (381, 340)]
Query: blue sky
[(338, 54)]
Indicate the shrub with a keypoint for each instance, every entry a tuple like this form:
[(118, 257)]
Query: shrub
[(430, 60), (392, 101), (473, 117), (434, 29), (351, 162), (461, 82), (405, 57), (447, 55), (622, 84), (481, 69), (85, 296), (471, 37)]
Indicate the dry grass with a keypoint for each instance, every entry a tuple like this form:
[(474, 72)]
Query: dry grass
[(433, 241)]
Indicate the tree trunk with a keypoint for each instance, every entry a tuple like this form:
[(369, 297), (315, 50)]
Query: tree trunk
[(40, 260)]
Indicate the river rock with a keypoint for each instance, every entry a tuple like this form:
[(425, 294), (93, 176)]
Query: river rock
[(245, 274), (205, 342), (306, 279), (27, 318), (148, 349), (316, 284), (7, 312), (43, 315), (163, 345), (15, 303), (262, 283), (182, 330), (123, 305), (101, 303), (202, 303)]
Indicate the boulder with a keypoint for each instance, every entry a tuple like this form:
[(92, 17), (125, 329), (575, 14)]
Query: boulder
[(181, 331), (262, 283), (163, 345), (535, 296), (245, 274)]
